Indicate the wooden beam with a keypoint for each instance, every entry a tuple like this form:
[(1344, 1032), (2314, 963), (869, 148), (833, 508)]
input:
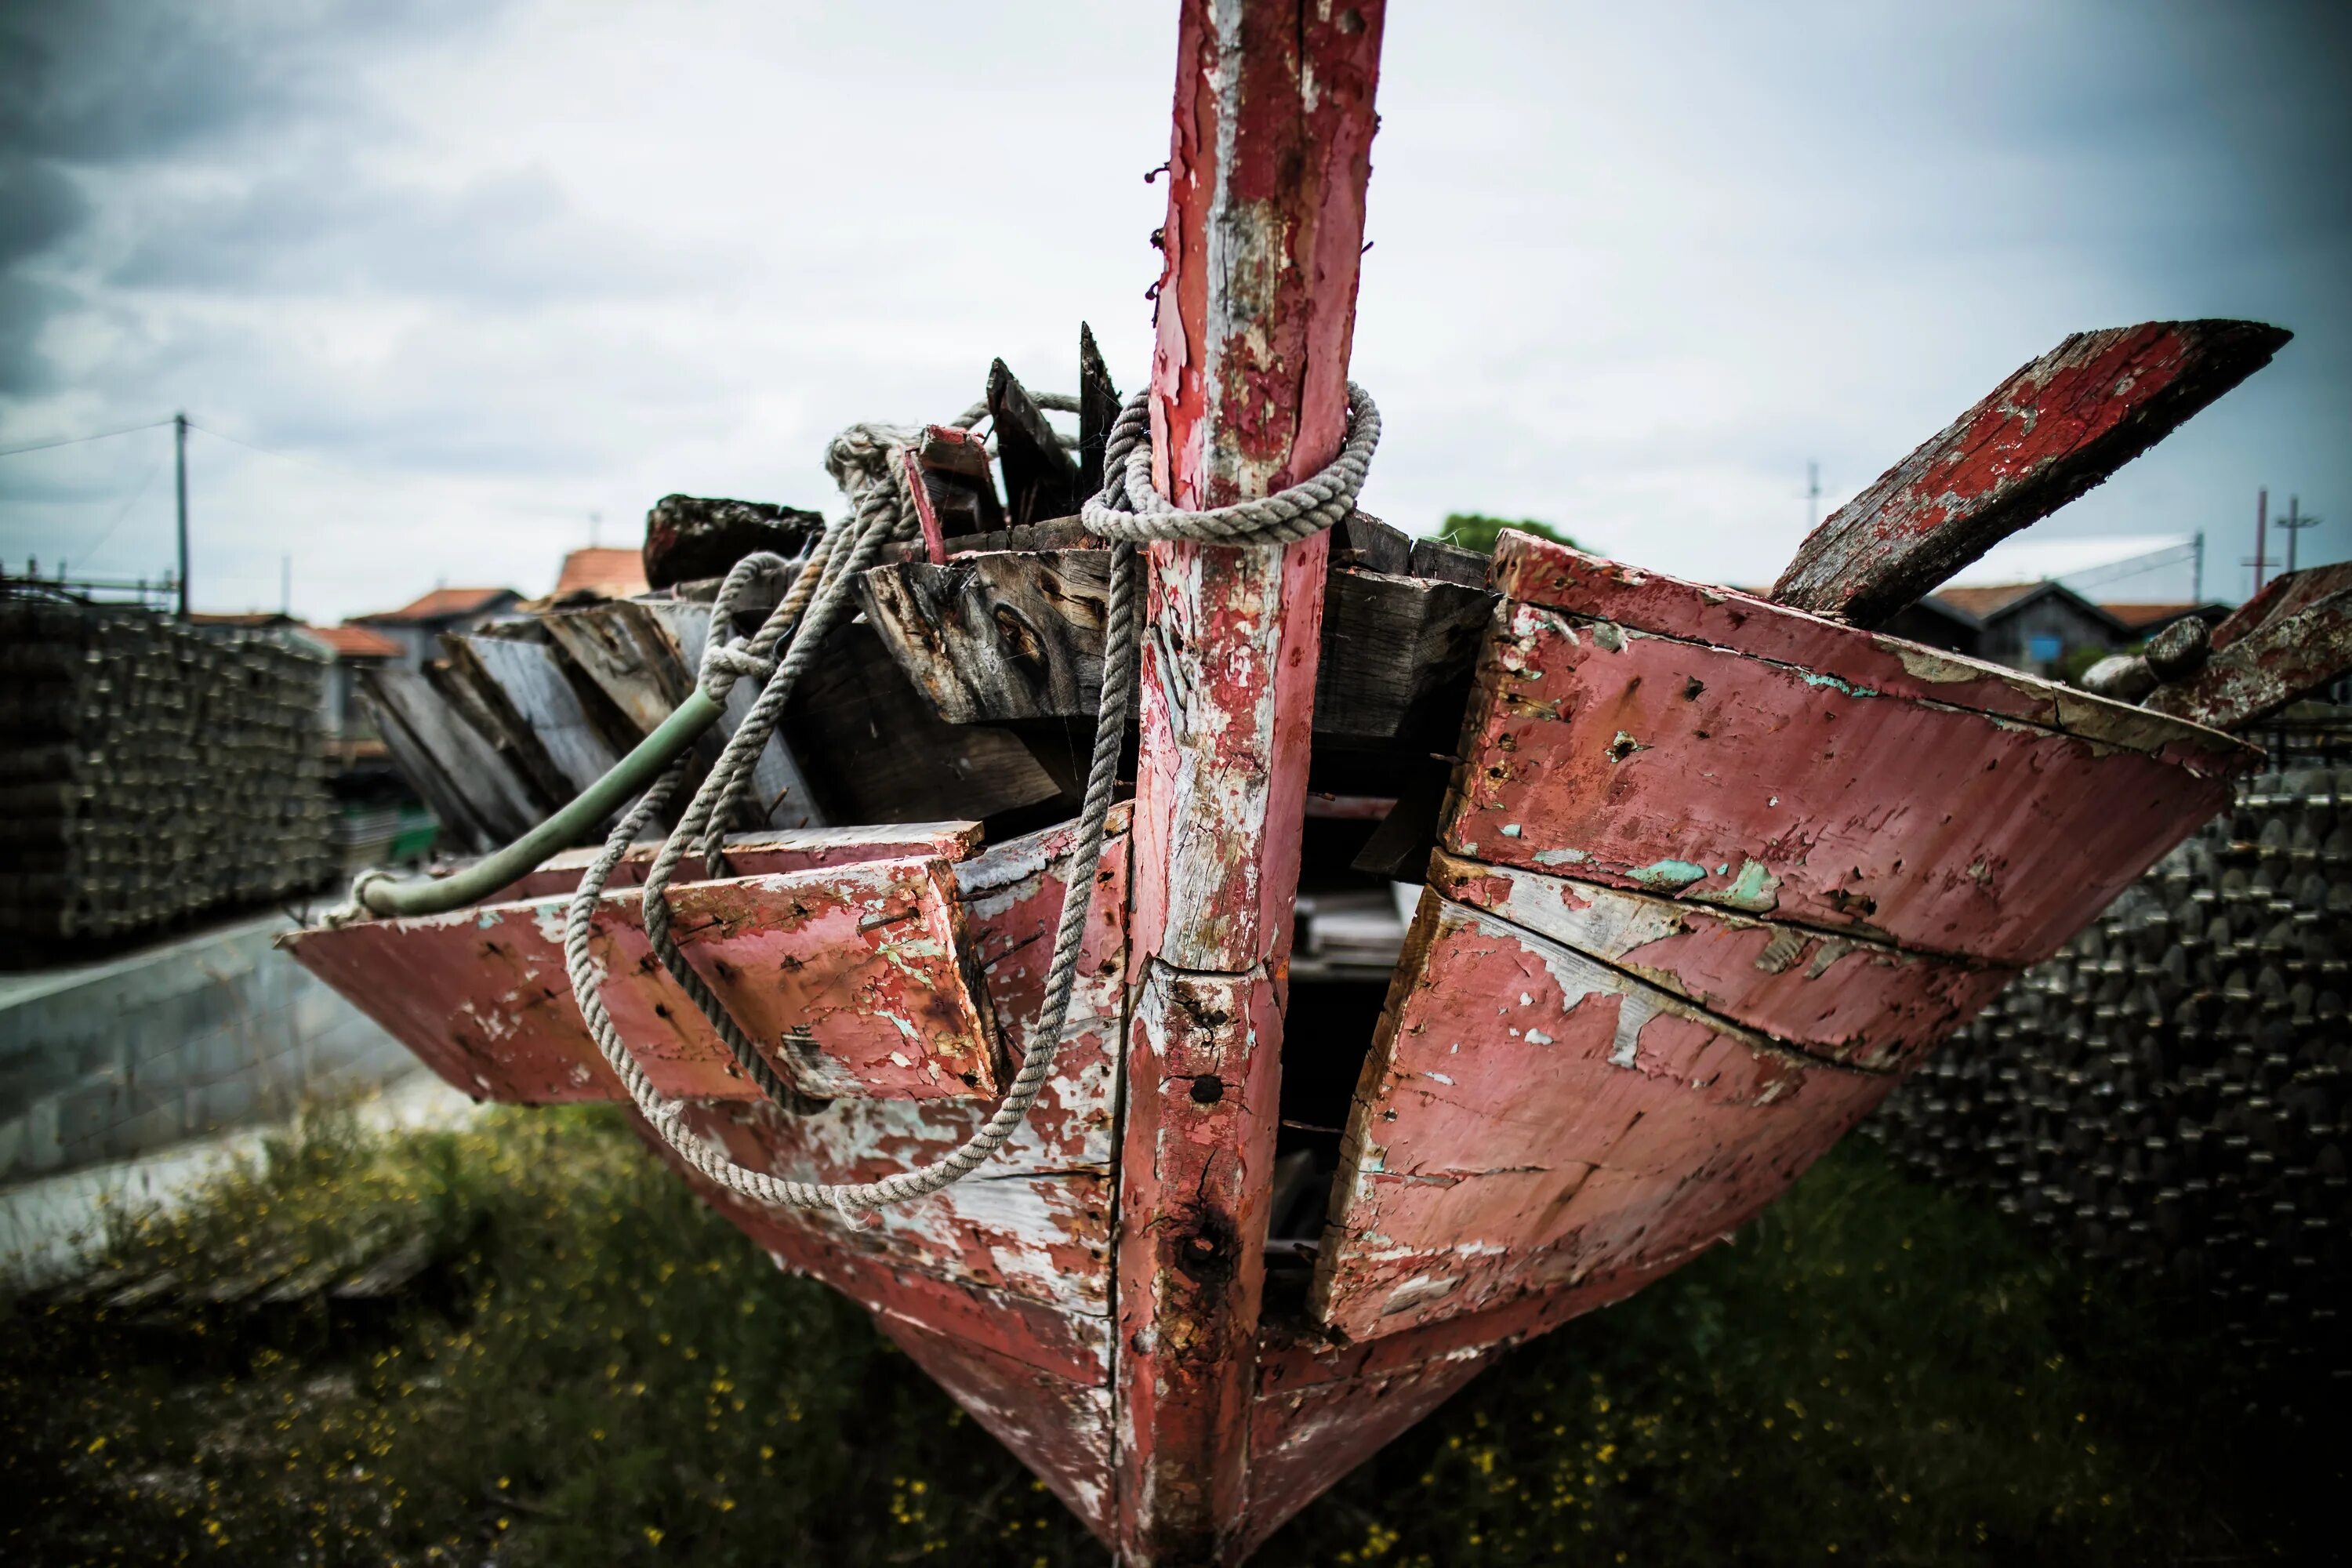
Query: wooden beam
[(2057, 428), (1272, 150)]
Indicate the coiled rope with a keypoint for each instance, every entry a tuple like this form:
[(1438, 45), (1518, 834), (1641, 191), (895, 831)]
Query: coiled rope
[(867, 460)]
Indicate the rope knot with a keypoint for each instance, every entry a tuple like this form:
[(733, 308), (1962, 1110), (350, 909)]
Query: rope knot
[(723, 664)]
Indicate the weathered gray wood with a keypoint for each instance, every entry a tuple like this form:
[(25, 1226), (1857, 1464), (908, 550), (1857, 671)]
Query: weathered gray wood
[(778, 778), (1362, 540), (875, 753), (494, 798), (617, 646), (1448, 562), (528, 679), (997, 637), (2057, 428), (1041, 479), (1097, 411), (1017, 636), (1397, 656)]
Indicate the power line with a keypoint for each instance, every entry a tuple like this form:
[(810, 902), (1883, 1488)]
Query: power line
[(107, 531), (251, 446), (77, 440)]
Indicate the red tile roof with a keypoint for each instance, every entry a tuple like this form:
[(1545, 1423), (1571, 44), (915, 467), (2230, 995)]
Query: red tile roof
[(2140, 615), (1983, 602), (444, 603), (612, 571), (355, 641)]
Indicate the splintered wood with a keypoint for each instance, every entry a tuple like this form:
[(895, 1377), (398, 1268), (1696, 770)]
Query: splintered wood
[(2054, 429)]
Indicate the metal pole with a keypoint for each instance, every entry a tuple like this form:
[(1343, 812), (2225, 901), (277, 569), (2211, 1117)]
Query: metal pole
[(180, 452), (2262, 534), (2197, 582)]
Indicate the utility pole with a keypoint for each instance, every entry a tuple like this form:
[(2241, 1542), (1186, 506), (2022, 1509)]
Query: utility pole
[(179, 451), (2262, 534), (1813, 495), (286, 585), (2294, 522), (2197, 578)]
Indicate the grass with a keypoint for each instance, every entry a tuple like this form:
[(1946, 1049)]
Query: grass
[(605, 1372)]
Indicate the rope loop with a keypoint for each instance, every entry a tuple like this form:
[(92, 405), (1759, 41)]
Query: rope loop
[(1131, 509), (868, 462)]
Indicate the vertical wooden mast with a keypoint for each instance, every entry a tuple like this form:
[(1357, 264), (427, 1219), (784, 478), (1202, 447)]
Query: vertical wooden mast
[(1272, 149)]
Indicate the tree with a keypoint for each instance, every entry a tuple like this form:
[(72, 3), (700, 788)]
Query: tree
[(1475, 531)]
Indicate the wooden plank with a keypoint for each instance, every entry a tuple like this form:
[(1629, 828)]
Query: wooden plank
[(617, 646), (1529, 1118), (495, 798), (1099, 408), (2290, 640), (528, 685), (1041, 479), (1642, 762), (997, 637), (849, 977), (873, 752), (1007, 637), (423, 769), (2055, 429), (760, 852), (1273, 130), (1843, 998), (1398, 655), (784, 797)]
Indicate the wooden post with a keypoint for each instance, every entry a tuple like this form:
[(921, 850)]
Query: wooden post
[(1272, 149)]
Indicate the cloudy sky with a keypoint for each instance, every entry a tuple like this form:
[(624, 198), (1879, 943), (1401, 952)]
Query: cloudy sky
[(461, 277)]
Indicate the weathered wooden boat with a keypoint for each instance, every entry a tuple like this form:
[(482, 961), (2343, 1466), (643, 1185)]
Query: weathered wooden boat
[(1700, 873)]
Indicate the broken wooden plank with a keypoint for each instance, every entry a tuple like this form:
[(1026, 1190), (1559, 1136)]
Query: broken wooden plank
[(691, 538), (1842, 998), (1097, 412), (2291, 640), (1529, 1116), (1360, 539), (465, 766), (849, 977), (1041, 479), (1273, 130), (1398, 655), (2055, 429)]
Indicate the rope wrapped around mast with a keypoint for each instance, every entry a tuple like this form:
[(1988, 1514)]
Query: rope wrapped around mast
[(867, 460)]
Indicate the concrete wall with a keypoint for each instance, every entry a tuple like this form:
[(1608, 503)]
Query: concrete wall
[(185, 1038)]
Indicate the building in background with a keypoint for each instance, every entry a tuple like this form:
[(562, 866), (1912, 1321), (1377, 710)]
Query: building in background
[(417, 625), (601, 572), (350, 732)]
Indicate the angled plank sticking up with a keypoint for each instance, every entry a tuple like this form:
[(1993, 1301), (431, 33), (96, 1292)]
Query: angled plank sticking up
[(1272, 150), (2287, 641), (2058, 426), (1097, 411), (524, 682), (1041, 479)]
